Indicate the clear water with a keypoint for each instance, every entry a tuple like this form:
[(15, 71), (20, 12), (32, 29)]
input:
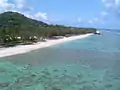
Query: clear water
[(88, 64)]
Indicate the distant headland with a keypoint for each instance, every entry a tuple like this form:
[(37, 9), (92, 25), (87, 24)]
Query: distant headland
[(23, 34), (16, 29)]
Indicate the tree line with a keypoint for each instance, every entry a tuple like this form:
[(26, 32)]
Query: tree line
[(13, 25)]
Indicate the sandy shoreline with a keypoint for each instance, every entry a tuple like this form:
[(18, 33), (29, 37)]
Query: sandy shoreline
[(27, 48)]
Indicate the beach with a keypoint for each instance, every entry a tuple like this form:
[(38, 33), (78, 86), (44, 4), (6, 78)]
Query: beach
[(20, 49)]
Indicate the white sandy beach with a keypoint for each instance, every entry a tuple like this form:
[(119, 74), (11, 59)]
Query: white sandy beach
[(27, 48)]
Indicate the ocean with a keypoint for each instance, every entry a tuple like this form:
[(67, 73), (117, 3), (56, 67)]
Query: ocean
[(92, 63)]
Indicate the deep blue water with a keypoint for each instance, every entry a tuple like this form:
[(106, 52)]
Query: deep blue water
[(92, 63)]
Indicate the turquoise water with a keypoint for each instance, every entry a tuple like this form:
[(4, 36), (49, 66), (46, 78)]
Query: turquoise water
[(92, 63), (108, 42)]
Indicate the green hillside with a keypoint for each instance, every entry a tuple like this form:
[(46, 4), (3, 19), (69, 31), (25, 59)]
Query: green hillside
[(13, 24)]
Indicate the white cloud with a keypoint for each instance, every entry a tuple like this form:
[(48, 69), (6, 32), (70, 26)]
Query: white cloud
[(79, 20), (108, 3), (29, 16), (112, 5), (99, 19), (104, 13), (21, 7), (4, 5), (41, 15), (20, 3), (2, 2), (96, 20), (117, 2), (90, 21)]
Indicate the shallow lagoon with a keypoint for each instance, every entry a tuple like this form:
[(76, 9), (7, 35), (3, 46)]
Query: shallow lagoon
[(88, 64)]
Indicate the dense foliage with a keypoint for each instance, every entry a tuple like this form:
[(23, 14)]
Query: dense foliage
[(13, 24)]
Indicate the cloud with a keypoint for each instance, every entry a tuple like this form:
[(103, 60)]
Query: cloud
[(41, 15), (104, 13), (100, 19), (96, 21), (17, 5), (2, 2), (112, 5), (38, 16), (4, 5), (79, 20), (20, 3), (108, 3), (93, 21), (21, 7), (90, 21), (29, 16)]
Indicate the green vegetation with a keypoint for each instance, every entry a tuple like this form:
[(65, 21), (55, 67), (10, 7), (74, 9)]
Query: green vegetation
[(14, 25)]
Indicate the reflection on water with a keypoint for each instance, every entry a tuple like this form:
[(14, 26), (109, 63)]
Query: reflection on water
[(59, 69)]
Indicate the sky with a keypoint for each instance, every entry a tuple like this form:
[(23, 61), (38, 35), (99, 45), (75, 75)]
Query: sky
[(77, 13)]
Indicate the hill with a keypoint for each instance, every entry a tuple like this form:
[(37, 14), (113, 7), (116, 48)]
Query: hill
[(18, 23), (13, 24)]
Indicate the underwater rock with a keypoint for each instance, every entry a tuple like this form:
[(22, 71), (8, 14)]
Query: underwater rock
[(56, 76), (33, 75), (108, 86), (47, 88), (38, 87), (55, 70), (44, 81), (25, 81), (87, 87), (44, 77), (95, 80), (15, 87), (82, 82), (28, 66), (79, 76), (68, 80), (55, 88), (116, 78), (56, 83), (4, 85), (2, 70), (65, 70), (52, 87), (14, 75), (46, 72)]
